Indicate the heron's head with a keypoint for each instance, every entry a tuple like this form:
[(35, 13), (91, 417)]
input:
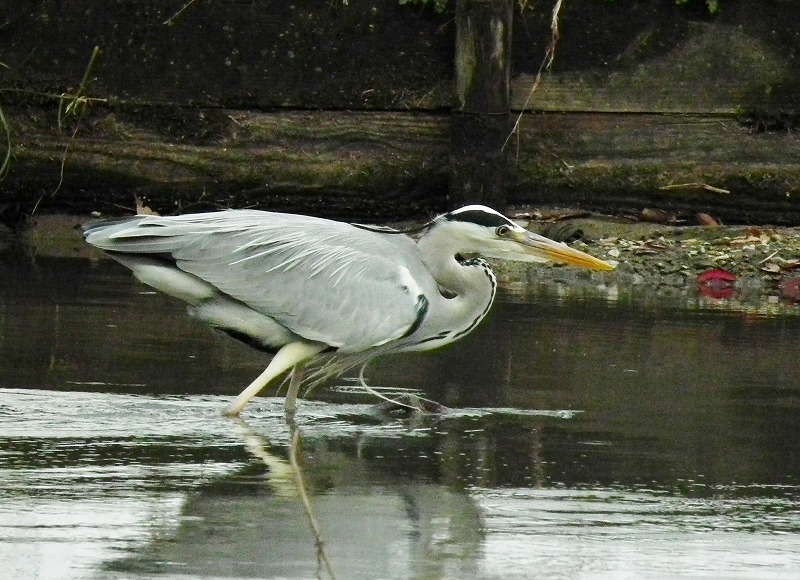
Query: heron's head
[(482, 230)]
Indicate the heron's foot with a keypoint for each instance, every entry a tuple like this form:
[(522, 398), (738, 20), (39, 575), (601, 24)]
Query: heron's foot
[(407, 405)]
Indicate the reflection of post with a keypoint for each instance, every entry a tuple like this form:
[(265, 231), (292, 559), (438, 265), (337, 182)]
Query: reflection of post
[(480, 119)]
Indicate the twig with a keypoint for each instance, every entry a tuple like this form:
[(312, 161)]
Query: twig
[(6, 164), (567, 165), (171, 20), (76, 105), (694, 185), (547, 61), (768, 258), (64, 159)]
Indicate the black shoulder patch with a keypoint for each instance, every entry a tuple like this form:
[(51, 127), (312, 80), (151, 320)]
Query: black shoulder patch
[(480, 217), (422, 312)]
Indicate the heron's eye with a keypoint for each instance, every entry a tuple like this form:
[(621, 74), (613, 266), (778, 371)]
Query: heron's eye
[(503, 231)]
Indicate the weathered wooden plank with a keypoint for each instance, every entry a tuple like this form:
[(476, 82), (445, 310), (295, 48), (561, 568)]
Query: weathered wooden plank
[(618, 162), (389, 165), (647, 56), (715, 68), (335, 163), (243, 54), (664, 137)]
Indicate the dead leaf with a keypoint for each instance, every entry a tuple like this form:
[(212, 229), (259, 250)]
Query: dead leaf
[(658, 216), (555, 215), (694, 185), (141, 208), (744, 240), (790, 288), (704, 219), (791, 264)]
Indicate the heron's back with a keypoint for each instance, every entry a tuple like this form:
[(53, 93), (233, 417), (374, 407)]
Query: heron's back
[(326, 281)]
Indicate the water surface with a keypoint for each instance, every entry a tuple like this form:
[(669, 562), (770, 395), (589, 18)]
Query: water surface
[(584, 438)]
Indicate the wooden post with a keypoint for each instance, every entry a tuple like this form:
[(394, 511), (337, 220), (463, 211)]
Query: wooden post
[(480, 118)]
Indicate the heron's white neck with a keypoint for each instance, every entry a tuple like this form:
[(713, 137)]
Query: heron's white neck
[(467, 290)]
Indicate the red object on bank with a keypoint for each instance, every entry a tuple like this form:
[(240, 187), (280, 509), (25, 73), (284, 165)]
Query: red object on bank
[(717, 284)]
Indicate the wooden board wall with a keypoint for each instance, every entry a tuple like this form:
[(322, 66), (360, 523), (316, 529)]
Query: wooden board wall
[(344, 109)]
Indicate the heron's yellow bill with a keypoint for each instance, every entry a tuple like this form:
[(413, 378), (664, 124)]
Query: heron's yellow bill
[(550, 250)]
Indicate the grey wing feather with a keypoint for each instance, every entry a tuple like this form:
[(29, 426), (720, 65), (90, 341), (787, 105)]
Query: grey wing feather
[(323, 280)]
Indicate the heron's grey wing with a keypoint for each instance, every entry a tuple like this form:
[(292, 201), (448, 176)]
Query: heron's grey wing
[(323, 280)]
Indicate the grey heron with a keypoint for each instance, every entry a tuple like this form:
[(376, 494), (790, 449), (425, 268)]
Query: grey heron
[(309, 289)]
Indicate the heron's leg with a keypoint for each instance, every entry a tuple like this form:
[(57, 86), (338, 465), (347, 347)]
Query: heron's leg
[(287, 357), (290, 404)]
